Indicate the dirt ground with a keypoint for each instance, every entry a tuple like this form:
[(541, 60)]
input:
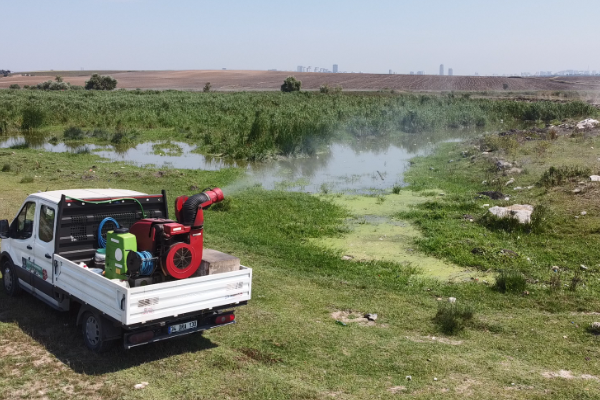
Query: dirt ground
[(271, 80)]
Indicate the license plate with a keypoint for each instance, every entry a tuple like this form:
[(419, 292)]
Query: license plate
[(183, 327)]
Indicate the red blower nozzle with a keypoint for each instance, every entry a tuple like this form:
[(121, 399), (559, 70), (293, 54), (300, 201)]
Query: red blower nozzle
[(187, 209)]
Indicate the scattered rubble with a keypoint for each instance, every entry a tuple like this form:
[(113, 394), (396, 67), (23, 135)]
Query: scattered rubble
[(371, 317), (501, 164), (141, 385), (513, 171), (587, 124), (521, 212)]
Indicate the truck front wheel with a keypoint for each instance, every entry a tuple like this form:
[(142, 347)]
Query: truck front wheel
[(9, 278), (92, 328)]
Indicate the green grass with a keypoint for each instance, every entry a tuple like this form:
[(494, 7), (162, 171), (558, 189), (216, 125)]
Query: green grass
[(286, 344)]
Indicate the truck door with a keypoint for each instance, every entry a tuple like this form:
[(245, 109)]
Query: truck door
[(22, 242), (44, 246)]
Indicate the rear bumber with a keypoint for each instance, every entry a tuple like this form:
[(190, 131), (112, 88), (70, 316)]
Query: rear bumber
[(167, 330), (134, 307)]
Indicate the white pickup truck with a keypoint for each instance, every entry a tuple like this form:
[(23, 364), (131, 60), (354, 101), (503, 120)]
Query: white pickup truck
[(55, 234)]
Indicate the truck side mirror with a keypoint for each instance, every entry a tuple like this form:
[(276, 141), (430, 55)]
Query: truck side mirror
[(4, 229)]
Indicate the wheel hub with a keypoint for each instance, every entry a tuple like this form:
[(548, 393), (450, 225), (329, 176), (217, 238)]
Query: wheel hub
[(8, 280), (92, 330)]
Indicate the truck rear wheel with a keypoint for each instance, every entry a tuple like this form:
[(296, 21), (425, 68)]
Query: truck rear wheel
[(10, 279), (93, 333)]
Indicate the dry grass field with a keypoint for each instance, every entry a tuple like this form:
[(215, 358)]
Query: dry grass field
[(271, 80)]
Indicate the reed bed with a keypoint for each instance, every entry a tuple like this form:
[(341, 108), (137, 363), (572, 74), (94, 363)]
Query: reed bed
[(259, 125)]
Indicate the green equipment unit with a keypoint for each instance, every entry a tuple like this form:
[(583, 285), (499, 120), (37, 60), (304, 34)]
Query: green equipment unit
[(118, 245)]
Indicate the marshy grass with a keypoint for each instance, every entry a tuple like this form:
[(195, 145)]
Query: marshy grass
[(510, 282), (26, 179), (451, 318), (555, 176), (73, 133)]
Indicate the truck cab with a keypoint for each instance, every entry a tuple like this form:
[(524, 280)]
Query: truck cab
[(30, 242)]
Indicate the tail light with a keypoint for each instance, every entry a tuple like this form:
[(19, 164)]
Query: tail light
[(223, 319), (141, 337)]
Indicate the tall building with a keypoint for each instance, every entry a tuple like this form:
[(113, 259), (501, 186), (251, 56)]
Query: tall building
[(300, 68), (441, 69), (335, 68), (450, 72)]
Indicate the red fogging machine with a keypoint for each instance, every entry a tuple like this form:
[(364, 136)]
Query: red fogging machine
[(176, 245)]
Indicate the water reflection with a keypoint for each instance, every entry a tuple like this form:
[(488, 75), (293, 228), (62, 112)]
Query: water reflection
[(366, 165)]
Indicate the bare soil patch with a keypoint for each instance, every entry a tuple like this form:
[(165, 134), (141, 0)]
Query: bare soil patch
[(271, 80), (352, 317), (567, 375)]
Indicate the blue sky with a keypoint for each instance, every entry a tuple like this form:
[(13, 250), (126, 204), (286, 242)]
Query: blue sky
[(484, 36)]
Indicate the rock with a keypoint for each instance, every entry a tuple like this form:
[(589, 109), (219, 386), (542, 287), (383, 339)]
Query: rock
[(141, 385), (576, 190), (452, 300), (517, 188), (449, 161), (521, 212), (587, 124), (555, 268), (583, 267), (595, 178), (485, 153), (347, 258), (530, 187), (485, 205), (501, 164), (510, 182), (371, 317), (584, 213), (596, 326), (408, 378), (468, 217), (435, 379)]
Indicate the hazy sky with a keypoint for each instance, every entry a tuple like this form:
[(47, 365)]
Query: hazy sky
[(484, 36)]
